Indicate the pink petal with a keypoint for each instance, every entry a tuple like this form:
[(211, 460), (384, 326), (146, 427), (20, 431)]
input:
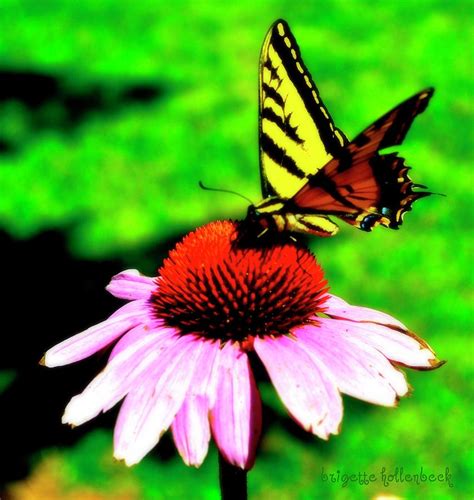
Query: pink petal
[(236, 417), (150, 407), (131, 285), (338, 308), (137, 335), (93, 339), (403, 348), (135, 306), (358, 369), (132, 356), (304, 385), (191, 431)]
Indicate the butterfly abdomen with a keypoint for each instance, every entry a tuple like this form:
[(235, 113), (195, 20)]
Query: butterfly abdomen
[(276, 215)]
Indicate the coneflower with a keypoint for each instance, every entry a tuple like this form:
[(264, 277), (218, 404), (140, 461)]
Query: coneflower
[(182, 344)]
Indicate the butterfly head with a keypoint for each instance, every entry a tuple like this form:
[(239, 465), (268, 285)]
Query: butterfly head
[(253, 214), (256, 221)]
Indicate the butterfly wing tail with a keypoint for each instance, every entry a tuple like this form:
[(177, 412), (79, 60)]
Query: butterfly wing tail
[(391, 199)]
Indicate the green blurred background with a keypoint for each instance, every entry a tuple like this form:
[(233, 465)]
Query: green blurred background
[(110, 114)]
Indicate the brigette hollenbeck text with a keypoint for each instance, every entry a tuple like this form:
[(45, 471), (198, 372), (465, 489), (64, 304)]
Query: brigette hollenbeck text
[(387, 477)]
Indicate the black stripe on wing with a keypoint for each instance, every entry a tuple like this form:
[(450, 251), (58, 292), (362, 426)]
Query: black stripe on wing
[(279, 156), (271, 93), (273, 72), (282, 124), (330, 141), (321, 180)]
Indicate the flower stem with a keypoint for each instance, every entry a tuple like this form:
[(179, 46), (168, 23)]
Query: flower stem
[(232, 480)]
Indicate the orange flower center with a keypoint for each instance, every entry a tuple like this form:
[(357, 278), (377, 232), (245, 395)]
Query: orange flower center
[(216, 286)]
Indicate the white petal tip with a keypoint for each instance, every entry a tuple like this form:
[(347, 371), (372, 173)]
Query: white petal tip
[(392, 403), (321, 434), (433, 363), (78, 411), (68, 419), (193, 462), (50, 360), (127, 460)]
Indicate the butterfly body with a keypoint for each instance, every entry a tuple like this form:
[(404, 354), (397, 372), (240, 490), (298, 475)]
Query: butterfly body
[(275, 214), (309, 169)]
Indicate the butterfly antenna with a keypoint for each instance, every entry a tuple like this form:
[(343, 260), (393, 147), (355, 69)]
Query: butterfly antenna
[(429, 192), (202, 186)]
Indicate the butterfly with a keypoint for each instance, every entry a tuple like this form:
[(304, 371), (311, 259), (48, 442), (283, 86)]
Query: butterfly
[(309, 169)]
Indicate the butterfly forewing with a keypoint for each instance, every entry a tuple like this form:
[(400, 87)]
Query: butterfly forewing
[(391, 128), (297, 134)]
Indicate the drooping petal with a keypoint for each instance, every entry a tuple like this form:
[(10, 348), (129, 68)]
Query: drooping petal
[(236, 417), (93, 339), (303, 384), (358, 369), (131, 357), (131, 285), (150, 407), (338, 308), (191, 430), (403, 348)]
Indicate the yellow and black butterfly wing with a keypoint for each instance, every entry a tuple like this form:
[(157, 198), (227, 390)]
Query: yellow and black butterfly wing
[(361, 186), (297, 134)]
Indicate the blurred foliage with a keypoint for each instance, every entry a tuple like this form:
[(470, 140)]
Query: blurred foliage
[(110, 114), (6, 378)]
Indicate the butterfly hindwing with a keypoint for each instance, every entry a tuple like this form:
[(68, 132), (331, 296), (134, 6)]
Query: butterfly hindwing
[(361, 186), (297, 134)]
